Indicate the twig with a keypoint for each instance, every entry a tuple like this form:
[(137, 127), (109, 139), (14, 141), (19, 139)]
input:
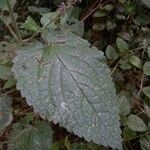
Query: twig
[(142, 78), (114, 68), (91, 10), (14, 22), (144, 48), (141, 135), (141, 86), (10, 30)]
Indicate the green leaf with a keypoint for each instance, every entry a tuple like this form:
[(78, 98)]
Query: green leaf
[(98, 26), (5, 112), (9, 83), (135, 123), (145, 142), (146, 68), (99, 14), (146, 2), (7, 52), (75, 26), (36, 137), (68, 144), (5, 72), (69, 82), (128, 133), (110, 25), (87, 146), (146, 91), (143, 19), (125, 106), (79, 146), (124, 64), (147, 110), (122, 45), (8, 19), (108, 7), (135, 61), (67, 22), (111, 53), (30, 24), (3, 4), (123, 120), (48, 20)]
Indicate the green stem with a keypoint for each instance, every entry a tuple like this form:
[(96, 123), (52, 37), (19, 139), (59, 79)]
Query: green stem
[(41, 29), (141, 135), (10, 30), (14, 21)]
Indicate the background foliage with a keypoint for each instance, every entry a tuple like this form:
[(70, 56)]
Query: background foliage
[(121, 29)]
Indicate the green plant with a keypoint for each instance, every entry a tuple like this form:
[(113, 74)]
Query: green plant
[(66, 80)]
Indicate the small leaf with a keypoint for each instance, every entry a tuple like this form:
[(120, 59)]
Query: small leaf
[(36, 137), (146, 91), (108, 7), (123, 120), (124, 64), (143, 19), (120, 17), (111, 53), (146, 68), (110, 25), (48, 19), (5, 72), (7, 52), (66, 22), (3, 4), (122, 45), (135, 61), (128, 133), (146, 2), (9, 83), (75, 26), (99, 14), (147, 110), (145, 142), (8, 19), (125, 106), (5, 112), (98, 26), (30, 24), (135, 123), (125, 35)]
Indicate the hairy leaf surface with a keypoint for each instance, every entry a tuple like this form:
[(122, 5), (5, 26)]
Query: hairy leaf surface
[(5, 112), (36, 137), (68, 82)]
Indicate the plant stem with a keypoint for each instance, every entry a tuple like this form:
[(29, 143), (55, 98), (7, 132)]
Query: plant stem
[(10, 30), (14, 21), (41, 29)]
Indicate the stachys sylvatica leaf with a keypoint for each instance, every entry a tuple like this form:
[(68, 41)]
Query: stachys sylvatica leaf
[(68, 82), (5, 112)]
